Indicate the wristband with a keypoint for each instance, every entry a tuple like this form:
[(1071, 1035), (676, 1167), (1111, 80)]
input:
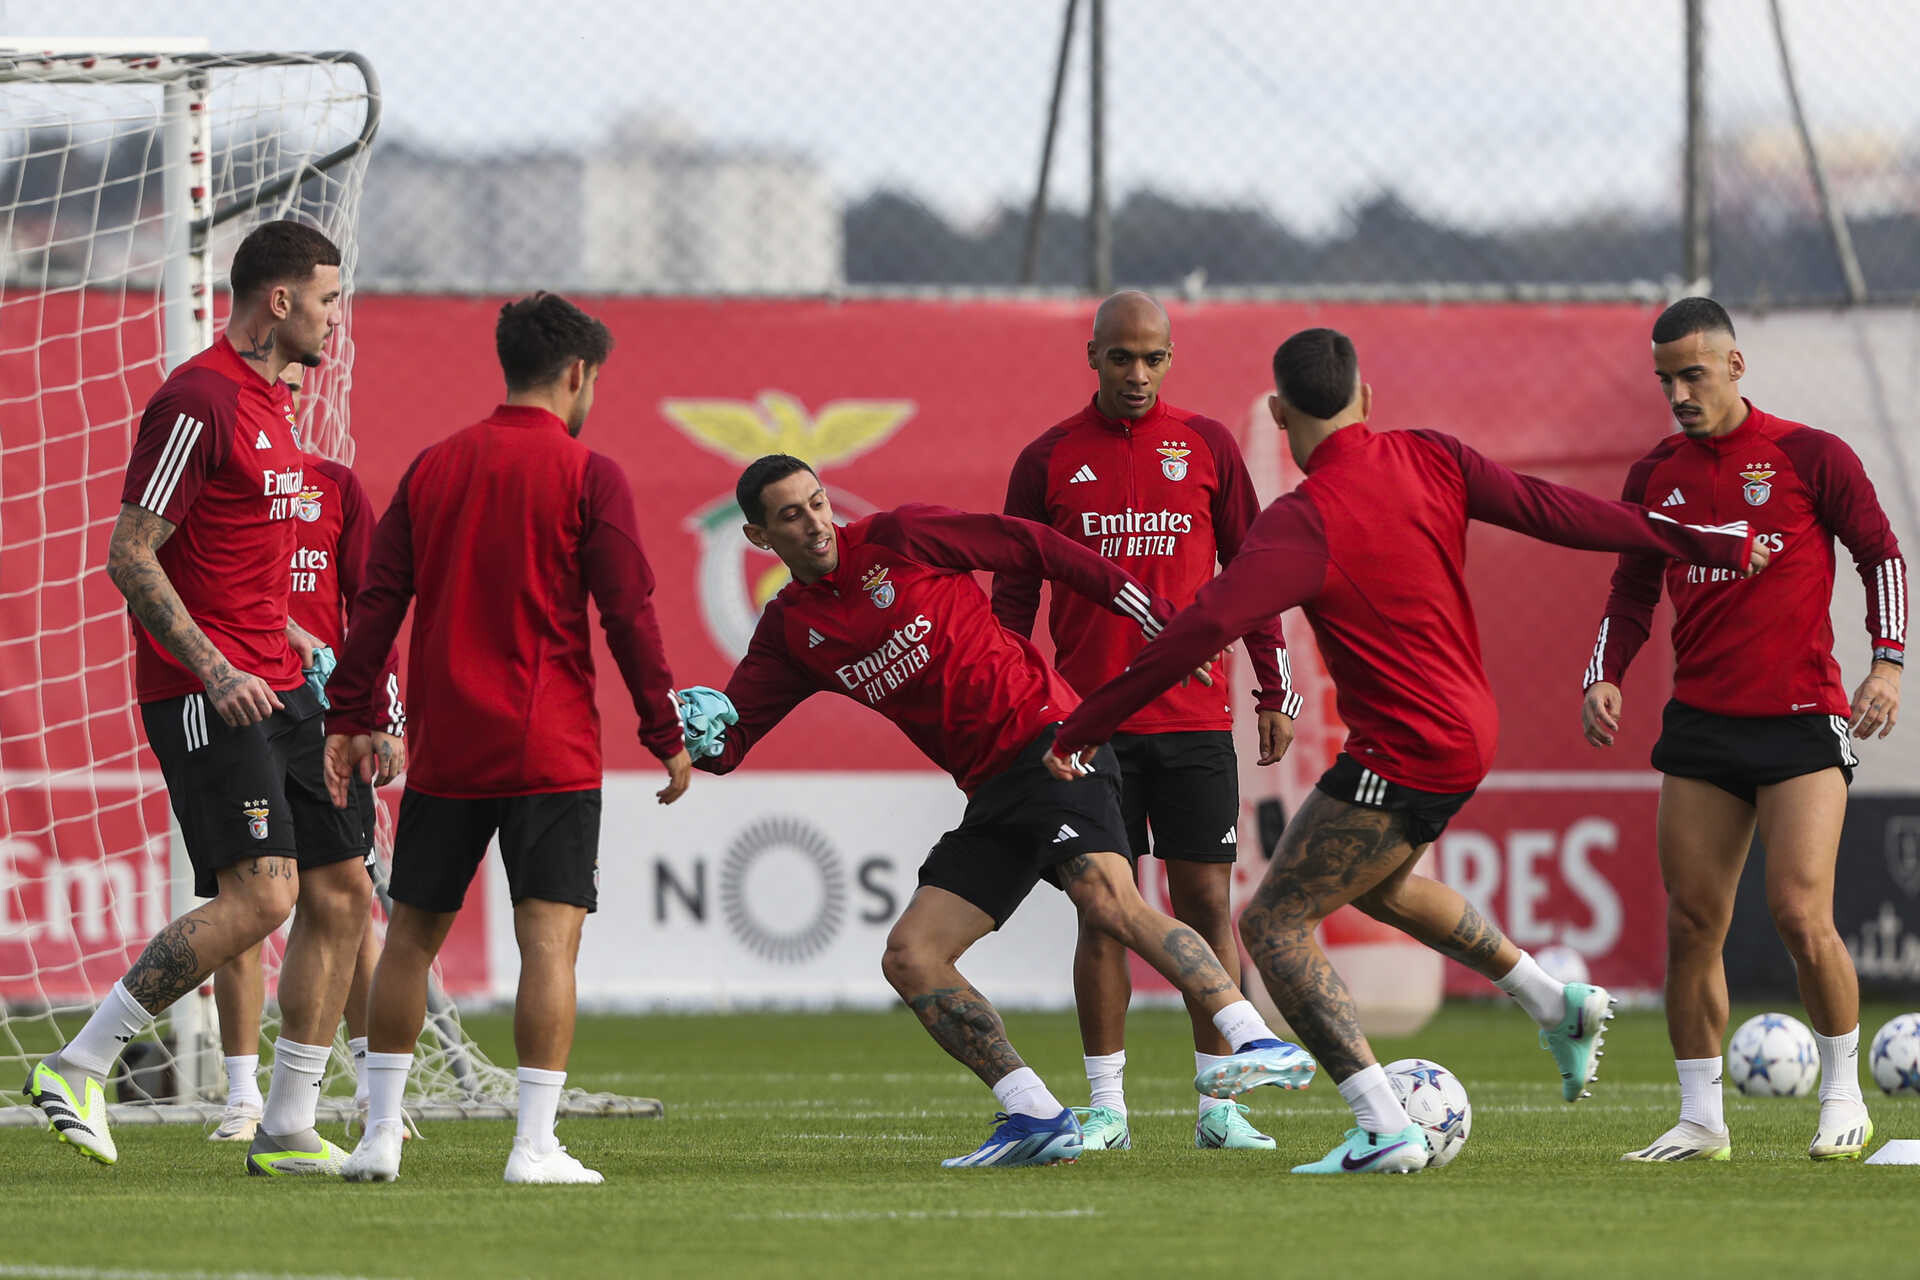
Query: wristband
[(1890, 653)]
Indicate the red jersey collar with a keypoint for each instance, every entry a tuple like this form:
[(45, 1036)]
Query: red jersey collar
[(1153, 418), (1741, 436), (1336, 446), (525, 415), (230, 356)]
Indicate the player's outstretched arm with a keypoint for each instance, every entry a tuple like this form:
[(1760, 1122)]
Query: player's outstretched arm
[(1016, 592), (1570, 517), (134, 566), (763, 689), (1281, 567), (1235, 508)]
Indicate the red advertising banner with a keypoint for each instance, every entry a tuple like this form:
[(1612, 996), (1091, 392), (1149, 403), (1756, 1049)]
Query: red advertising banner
[(897, 401)]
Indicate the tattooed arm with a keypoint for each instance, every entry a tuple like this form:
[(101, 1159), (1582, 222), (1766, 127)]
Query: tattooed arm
[(134, 566)]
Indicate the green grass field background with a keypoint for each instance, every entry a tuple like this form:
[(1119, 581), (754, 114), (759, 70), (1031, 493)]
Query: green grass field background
[(809, 1145)]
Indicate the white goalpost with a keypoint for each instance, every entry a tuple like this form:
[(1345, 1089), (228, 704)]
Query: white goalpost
[(127, 177)]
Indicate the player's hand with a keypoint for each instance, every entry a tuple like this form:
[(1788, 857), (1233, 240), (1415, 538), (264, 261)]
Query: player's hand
[(1600, 713), (679, 774), (347, 756), (240, 699), (1068, 768), (389, 757), (304, 642), (1757, 558), (1276, 735), (1876, 703), (1204, 672)]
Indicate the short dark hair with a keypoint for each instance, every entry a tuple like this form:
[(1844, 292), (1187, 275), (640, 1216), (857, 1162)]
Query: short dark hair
[(282, 252), (760, 473), (1314, 371), (540, 335), (1690, 316)]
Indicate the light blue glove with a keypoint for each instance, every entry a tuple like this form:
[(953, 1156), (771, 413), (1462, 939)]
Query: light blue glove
[(323, 664), (705, 715)]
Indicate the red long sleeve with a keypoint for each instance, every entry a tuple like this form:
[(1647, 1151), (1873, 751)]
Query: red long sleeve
[(1236, 506), (1627, 620), (620, 580), (764, 689), (356, 543), (377, 605), (1846, 503), (1016, 595)]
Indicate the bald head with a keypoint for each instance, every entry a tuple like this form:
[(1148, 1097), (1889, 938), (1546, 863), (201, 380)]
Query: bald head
[(1131, 349)]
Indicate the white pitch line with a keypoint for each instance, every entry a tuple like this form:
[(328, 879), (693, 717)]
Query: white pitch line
[(912, 1215)]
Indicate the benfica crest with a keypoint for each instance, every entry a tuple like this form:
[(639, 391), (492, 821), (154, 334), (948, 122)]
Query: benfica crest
[(735, 579), (1757, 474), (1173, 462), (257, 822), (307, 505), (877, 587)]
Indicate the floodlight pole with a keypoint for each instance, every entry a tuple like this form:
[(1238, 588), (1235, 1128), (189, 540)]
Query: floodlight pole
[(1037, 213), (1099, 225), (1697, 182)]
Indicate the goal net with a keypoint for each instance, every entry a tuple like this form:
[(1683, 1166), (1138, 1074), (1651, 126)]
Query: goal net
[(127, 178)]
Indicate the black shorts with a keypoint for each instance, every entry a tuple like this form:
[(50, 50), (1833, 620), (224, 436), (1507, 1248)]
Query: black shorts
[(1741, 754), (236, 792), (1427, 812), (549, 842), (318, 828), (1021, 824), (1184, 789)]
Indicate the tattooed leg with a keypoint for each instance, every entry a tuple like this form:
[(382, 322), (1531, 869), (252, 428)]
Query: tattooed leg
[(931, 934), (962, 1022), (1438, 916), (1332, 854), (1101, 888), (179, 957)]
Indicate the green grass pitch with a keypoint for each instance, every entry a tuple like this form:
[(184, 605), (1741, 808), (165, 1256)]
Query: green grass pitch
[(809, 1145)]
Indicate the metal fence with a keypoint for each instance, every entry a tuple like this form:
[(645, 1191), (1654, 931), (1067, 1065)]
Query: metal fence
[(1384, 148)]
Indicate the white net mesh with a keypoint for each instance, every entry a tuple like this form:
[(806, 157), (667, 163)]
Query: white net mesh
[(125, 184)]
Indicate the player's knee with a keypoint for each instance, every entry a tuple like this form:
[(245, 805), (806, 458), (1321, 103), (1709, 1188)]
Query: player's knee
[(1805, 927), (904, 962), (267, 902), (1694, 924), (1101, 908)]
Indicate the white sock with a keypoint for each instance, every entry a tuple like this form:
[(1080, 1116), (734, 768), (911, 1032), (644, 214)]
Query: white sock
[(539, 1104), (1700, 1099), (118, 1020), (386, 1086), (294, 1090), (1376, 1107), (243, 1079), (357, 1047), (1201, 1061), (1839, 1067), (1541, 994), (1023, 1093), (1240, 1022), (1107, 1081)]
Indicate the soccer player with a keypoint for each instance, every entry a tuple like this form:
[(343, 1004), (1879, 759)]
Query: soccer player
[(334, 527), (200, 551), (1756, 736), (500, 533), (1372, 545), (1163, 493), (886, 612)]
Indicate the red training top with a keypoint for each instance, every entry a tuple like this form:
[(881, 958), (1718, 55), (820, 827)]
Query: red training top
[(334, 528), (502, 530), (1162, 497), (1373, 545), (216, 443), (1760, 646), (901, 626)]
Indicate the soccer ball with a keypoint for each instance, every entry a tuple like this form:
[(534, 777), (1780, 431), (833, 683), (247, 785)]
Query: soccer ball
[(1437, 1102), (1773, 1056), (1895, 1056), (1562, 963)]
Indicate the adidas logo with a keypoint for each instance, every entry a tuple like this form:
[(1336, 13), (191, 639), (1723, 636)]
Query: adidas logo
[(1674, 500), (814, 639), (1084, 474), (1232, 836), (261, 442), (1066, 833)]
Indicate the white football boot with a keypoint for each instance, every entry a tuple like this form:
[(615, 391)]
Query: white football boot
[(1844, 1132), (555, 1166), (1685, 1141), (377, 1158), (238, 1123)]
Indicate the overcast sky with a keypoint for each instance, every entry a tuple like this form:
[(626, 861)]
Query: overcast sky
[(1477, 110)]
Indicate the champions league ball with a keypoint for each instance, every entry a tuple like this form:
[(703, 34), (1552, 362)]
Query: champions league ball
[(1773, 1056), (1895, 1056), (1437, 1102), (1562, 963)]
